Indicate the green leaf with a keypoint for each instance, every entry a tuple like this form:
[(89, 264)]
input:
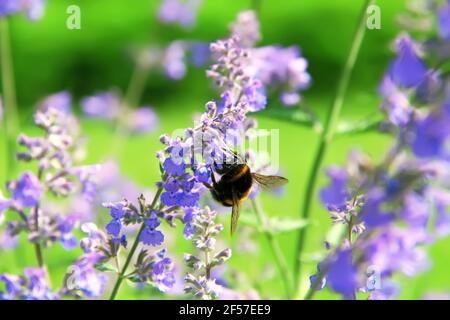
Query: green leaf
[(274, 225), (134, 278), (371, 123), (295, 115), (104, 267)]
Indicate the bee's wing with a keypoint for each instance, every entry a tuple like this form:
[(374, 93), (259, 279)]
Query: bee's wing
[(235, 211), (269, 182)]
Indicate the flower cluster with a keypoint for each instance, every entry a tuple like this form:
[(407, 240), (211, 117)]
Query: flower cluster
[(182, 12), (393, 208), (32, 285), (200, 283), (54, 153), (108, 105), (283, 70), (34, 9), (173, 59)]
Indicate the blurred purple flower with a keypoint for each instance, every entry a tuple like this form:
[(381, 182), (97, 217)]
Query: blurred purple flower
[(173, 60), (102, 105), (395, 103), (143, 120), (8, 7), (281, 68), (431, 133), (407, 70), (27, 190), (246, 28), (200, 53), (336, 194), (443, 16), (342, 274), (372, 212), (61, 101), (181, 12)]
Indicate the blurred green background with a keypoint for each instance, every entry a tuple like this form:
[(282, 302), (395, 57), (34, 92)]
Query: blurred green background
[(48, 58)]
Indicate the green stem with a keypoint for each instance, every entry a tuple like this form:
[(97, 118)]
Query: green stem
[(37, 245), (275, 247), (327, 136), (9, 97), (121, 275), (130, 101)]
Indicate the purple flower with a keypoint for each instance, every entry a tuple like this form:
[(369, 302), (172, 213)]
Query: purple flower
[(336, 194), (175, 168), (407, 70), (95, 238), (34, 9), (83, 279), (396, 103), (13, 286), (8, 7), (103, 105), (388, 291), (443, 16), (27, 190), (182, 12), (114, 227), (431, 133), (200, 53), (61, 101), (396, 249), (117, 209), (173, 60), (341, 275), (163, 274), (151, 236), (281, 68), (246, 27), (372, 213), (142, 120)]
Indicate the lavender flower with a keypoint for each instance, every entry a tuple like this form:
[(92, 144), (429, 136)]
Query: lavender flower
[(444, 21), (283, 69), (156, 269), (142, 120), (103, 105), (34, 9), (108, 106), (408, 70), (200, 283), (181, 12), (32, 285), (388, 207), (55, 153)]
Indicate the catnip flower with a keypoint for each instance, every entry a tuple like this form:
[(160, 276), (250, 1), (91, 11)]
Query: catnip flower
[(394, 208), (55, 153), (443, 16), (108, 105), (33, 9), (32, 285), (200, 282), (182, 12), (283, 70), (407, 70)]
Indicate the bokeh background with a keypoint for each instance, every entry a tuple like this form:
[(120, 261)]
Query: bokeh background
[(49, 58)]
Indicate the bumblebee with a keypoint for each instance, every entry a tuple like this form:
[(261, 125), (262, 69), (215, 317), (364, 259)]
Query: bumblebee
[(235, 185)]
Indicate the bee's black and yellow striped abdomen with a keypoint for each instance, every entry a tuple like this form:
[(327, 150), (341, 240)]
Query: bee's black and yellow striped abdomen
[(238, 180)]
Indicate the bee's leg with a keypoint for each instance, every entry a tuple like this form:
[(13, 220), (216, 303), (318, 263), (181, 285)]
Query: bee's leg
[(207, 185)]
